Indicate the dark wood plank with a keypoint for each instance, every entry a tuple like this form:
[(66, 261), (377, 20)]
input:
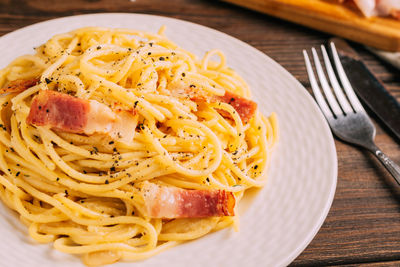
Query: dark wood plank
[(375, 264), (363, 225)]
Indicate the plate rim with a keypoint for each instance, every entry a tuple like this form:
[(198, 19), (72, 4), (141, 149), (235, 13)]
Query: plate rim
[(322, 216)]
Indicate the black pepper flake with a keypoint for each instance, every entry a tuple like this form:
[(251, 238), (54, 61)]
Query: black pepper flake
[(98, 48), (66, 192), (112, 216), (133, 213), (47, 80), (58, 179), (131, 197), (82, 201), (259, 127), (115, 149), (151, 44), (40, 107), (18, 173), (208, 180), (111, 142), (148, 165), (107, 182), (183, 74), (149, 53), (192, 86), (161, 58), (231, 100), (255, 167), (84, 172), (112, 169), (135, 104), (47, 110)]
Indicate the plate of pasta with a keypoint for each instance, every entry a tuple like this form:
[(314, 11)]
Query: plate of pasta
[(139, 138)]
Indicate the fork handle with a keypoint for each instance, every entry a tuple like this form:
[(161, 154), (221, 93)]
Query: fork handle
[(392, 167)]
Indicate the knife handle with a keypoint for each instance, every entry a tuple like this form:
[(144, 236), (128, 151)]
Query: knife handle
[(392, 167)]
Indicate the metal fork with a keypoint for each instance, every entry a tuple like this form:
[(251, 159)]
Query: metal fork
[(345, 115)]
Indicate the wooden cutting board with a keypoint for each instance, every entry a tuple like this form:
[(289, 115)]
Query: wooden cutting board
[(341, 20)]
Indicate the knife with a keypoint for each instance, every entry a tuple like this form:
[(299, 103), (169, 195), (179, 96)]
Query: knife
[(369, 88)]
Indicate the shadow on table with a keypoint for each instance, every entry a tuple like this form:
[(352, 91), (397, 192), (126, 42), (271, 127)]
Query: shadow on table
[(386, 178)]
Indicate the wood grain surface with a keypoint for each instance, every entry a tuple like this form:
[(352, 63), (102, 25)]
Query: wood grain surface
[(363, 225)]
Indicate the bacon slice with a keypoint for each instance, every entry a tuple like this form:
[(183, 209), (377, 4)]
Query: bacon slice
[(170, 202), (70, 114), (19, 85), (246, 108)]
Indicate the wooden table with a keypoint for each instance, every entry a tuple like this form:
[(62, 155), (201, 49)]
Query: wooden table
[(363, 225)]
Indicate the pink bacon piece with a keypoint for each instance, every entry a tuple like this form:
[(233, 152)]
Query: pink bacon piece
[(19, 85), (170, 202), (246, 108), (70, 114)]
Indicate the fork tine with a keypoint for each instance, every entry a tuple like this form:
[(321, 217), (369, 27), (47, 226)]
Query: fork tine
[(325, 86), (345, 81), (314, 85), (335, 84)]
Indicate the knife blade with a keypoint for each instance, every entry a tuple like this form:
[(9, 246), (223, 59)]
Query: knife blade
[(371, 91)]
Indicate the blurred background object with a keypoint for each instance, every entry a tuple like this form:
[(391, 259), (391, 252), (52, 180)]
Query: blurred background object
[(336, 18)]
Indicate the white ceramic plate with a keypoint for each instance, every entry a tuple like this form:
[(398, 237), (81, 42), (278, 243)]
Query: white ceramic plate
[(282, 218)]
